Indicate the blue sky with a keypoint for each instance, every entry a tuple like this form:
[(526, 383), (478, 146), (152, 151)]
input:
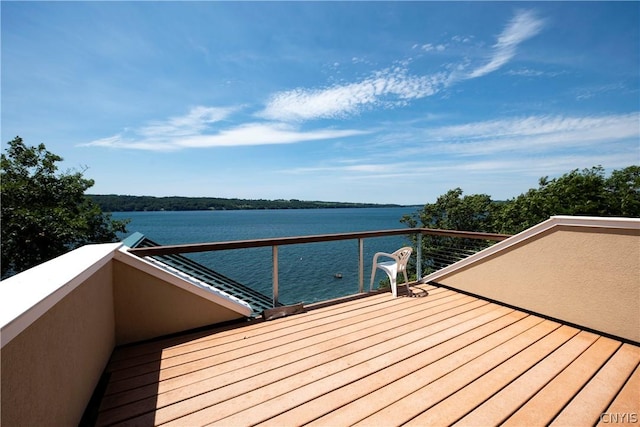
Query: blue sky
[(338, 101)]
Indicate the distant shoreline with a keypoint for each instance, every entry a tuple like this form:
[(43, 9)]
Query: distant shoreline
[(123, 203)]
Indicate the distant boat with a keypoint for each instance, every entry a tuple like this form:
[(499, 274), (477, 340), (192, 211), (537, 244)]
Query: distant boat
[(338, 275)]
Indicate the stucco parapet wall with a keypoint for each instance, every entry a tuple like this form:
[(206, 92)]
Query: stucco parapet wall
[(28, 295), (553, 222), (25, 297), (184, 281)]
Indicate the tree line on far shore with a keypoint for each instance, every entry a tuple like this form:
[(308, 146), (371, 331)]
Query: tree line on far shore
[(124, 203)]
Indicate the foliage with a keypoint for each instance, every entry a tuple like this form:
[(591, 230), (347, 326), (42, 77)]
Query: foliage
[(588, 192), (121, 203), (44, 213), (452, 211)]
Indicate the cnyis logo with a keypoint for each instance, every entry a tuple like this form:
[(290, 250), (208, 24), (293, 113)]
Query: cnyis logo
[(619, 418)]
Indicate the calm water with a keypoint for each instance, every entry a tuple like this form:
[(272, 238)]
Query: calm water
[(307, 271)]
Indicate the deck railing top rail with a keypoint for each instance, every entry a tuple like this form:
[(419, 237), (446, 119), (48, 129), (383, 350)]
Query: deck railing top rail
[(279, 241)]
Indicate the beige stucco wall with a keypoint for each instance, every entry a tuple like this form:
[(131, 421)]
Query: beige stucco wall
[(50, 370), (147, 307), (590, 277)]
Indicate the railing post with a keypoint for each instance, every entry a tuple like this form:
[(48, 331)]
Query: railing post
[(274, 251), (419, 256), (361, 265)]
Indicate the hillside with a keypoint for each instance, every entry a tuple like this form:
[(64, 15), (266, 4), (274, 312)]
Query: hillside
[(120, 203)]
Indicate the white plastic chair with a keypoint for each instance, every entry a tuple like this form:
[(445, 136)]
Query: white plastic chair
[(392, 268)]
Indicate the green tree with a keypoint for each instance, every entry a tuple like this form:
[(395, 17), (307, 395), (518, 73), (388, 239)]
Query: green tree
[(622, 191), (45, 213), (587, 192), (452, 211)]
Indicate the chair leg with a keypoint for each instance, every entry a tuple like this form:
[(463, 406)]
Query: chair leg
[(406, 282), (394, 286), (373, 275)]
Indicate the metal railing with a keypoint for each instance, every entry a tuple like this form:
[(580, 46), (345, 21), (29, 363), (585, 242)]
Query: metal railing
[(440, 258)]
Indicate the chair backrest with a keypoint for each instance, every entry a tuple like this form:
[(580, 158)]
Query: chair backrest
[(403, 255)]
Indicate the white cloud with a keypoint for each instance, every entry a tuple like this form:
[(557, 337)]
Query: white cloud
[(194, 122), (191, 132), (528, 72), (593, 91), (389, 87), (161, 135), (394, 86), (535, 145), (262, 134), (522, 27), (534, 134)]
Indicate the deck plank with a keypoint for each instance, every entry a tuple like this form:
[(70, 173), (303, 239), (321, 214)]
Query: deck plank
[(548, 402), (466, 371), (235, 339), (593, 400), (301, 354), (389, 354), (438, 360), (354, 402), (626, 403), (465, 400), (246, 341), (501, 405), (344, 368), (333, 348)]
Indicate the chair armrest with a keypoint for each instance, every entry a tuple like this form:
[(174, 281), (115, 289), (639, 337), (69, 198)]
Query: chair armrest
[(379, 254)]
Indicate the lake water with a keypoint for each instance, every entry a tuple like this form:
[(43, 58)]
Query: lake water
[(306, 271)]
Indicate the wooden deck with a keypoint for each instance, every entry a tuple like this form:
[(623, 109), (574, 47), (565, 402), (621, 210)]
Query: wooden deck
[(446, 358)]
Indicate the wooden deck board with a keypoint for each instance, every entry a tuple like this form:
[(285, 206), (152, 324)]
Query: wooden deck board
[(593, 400), (380, 360), (245, 341), (626, 402), (340, 369), (300, 350), (467, 398), (550, 400), (466, 369), (370, 363), (358, 400), (312, 355)]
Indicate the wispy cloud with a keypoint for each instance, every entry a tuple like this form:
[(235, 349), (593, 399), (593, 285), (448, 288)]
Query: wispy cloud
[(523, 26), (389, 87), (194, 130), (394, 86), (263, 134), (535, 133), (528, 72), (194, 122), (534, 145), (428, 47), (594, 91)]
